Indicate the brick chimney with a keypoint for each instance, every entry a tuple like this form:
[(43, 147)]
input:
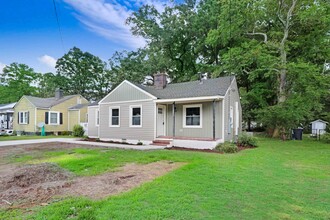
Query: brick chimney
[(160, 80), (58, 93)]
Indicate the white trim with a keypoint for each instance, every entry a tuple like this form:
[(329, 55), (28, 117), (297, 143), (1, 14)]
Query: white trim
[(35, 119), (79, 117), (69, 120), (110, 117), (120, 102), (155, 120), (97, 112), (58, 118), (19, 117), (202, 98), (131, 84), (184, 107), (164, 107), (223, 119), (130, 116)]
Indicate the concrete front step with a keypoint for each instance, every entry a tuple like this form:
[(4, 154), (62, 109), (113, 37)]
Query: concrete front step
[(161, 142)]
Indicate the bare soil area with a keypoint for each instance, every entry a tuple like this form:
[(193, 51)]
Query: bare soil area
[(40, 184)]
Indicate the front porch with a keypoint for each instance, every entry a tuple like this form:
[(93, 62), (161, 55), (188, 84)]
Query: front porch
[(189, 123)]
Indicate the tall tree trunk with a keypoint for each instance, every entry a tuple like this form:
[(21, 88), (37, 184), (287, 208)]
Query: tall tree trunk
[(282, 81), (286, 22)]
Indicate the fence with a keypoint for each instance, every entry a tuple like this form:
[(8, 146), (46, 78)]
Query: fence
[(317, 133)]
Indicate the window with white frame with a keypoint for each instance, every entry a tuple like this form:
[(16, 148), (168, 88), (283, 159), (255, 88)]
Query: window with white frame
[(23, 118), (135, 116), (114, 117), (54, 118), (97, 121), (192, 116)]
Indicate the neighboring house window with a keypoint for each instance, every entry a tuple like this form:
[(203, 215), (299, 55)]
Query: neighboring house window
[(97, 118), (114, 117), (23, 118), (54, 118), (192, 116), (135, 116)]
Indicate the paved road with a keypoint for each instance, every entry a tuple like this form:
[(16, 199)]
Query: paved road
[(77, 141)]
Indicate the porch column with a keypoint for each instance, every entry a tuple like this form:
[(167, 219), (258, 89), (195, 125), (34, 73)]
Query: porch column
[(213, 108), (173, 114)]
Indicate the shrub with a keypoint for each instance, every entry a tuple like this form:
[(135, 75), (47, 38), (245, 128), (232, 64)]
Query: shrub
[(227, 147), (78, 131), (139, 143), (65, 133), (325, 138), (246, 140)]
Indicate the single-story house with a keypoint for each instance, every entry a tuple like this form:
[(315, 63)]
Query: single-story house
[(198, 114), (318, 127), (58, 114), (6, 116)]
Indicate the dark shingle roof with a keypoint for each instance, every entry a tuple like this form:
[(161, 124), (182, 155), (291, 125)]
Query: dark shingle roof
[(79, 106), (209, 87), (47, 102)]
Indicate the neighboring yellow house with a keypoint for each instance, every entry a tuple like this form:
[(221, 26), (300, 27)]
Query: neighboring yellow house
[(59, 113)]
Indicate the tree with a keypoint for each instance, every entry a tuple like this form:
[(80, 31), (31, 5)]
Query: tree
[(83, 73), (17, 80), (48, 83)]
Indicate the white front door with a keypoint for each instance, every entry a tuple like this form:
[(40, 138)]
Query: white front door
[(161, 117)]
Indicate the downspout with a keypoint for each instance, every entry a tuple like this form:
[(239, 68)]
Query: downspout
[(173, 112), (213, 108)]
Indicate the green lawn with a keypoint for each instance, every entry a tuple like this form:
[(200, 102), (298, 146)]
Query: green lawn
[(30, 137), (278, 180)]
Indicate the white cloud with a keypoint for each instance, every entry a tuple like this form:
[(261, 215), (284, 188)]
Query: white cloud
[(2, 65), (108, 18), (48, 60)]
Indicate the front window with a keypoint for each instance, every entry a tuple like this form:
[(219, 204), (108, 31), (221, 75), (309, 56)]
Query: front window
[(54, 118), (23, 117), (192, 116), (114, 117), (136, 116)]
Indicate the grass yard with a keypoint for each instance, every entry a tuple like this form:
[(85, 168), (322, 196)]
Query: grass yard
[(278, 180), (30, 137)]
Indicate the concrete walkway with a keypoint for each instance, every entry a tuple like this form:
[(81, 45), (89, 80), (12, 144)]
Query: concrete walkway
[(77, 141)]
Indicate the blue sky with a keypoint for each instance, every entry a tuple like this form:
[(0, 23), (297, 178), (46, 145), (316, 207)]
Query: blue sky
[(29, 33)]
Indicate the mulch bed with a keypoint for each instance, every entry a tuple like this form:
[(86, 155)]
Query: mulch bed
[(109, 142)]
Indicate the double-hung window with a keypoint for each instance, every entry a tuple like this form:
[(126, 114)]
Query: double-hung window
[(192, 116), (23, 118), (114, 117), (54, 118), (135, 116)]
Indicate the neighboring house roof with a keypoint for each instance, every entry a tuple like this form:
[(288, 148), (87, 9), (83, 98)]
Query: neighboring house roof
[(47, 102), (9, 106), (79, 106), (209, 87), (319, 120)]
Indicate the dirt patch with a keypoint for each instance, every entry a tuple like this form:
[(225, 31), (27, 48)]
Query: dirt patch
[(39, 184)]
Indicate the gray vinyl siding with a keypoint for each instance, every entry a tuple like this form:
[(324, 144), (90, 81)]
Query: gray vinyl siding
[(126, 92), (93, 130), (146, 132), (207, 121), (231, 98)]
